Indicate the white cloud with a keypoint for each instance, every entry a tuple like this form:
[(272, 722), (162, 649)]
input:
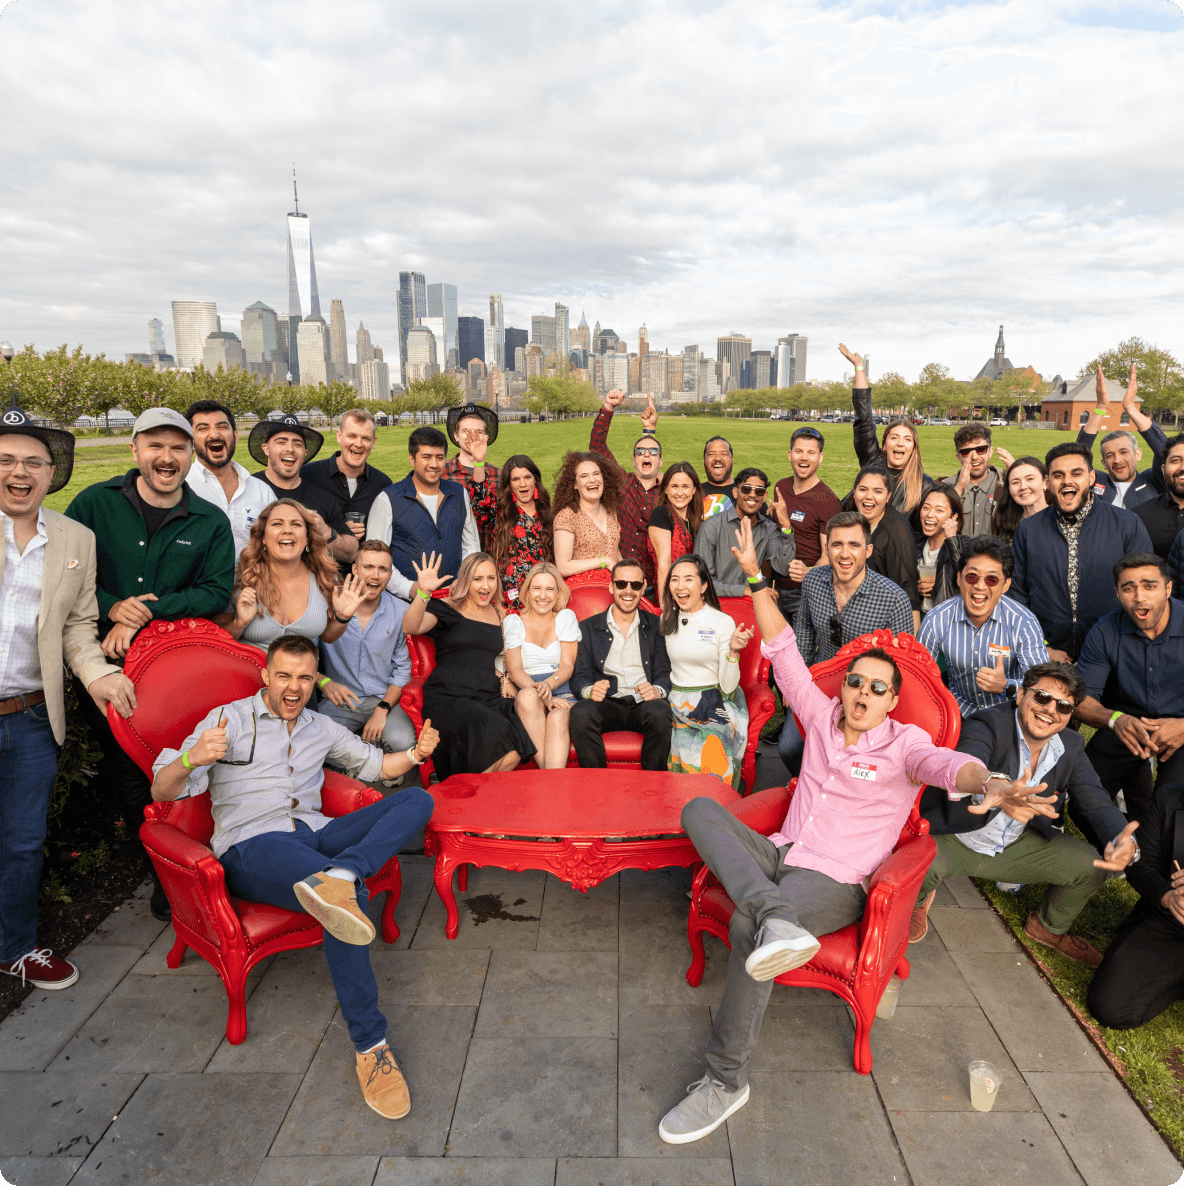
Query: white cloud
[(904, 177)]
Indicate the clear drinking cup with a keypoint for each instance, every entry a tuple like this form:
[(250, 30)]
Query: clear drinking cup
[(926, 572), (984, 1085), (887, 1006)]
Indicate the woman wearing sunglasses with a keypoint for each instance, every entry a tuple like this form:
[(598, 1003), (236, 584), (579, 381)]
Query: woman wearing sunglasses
[(675, 520), (704, 644), (941, 544), (587, 496)]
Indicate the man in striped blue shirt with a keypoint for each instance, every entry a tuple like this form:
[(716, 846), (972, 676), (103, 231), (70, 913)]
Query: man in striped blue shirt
[(988, 640)]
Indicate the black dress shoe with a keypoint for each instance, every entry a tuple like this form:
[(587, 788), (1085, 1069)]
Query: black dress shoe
[(159, 905)]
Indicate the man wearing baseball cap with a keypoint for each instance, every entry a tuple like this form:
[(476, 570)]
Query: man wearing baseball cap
[(163, 552)]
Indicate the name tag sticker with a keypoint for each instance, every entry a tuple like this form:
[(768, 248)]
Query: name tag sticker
[(707, 636), (998, 649), (864, 770), (797, 516), (1099, 489)]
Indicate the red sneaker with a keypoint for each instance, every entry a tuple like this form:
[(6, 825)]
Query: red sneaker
[(42, 969)]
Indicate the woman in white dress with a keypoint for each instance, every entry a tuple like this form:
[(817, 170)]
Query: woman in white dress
[(710, 713), (541, 646)]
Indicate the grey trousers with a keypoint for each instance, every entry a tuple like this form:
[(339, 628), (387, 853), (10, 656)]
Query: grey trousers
[(398, 734), (750, 867)]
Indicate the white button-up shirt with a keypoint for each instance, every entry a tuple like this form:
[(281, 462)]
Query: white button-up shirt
[(20, 603), (243, 507)]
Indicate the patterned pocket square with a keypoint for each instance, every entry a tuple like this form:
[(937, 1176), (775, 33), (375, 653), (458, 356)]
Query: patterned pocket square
[(72, 564)]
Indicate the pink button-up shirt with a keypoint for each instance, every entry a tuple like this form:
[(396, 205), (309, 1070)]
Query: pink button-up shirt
[(851, 801)]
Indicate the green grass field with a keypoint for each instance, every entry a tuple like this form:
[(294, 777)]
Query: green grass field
[(763, 443)]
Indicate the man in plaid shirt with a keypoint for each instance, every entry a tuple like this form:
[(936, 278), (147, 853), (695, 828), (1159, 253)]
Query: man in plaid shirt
[(639, 495), (472, 428)]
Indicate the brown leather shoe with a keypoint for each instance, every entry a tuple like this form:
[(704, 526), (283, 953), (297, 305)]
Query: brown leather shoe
[(334, 904), (919, 923), (1070, 946), (383, 1087)]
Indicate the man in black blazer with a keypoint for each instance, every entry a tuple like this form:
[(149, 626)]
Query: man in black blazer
[(1021, 841), (622, 676)]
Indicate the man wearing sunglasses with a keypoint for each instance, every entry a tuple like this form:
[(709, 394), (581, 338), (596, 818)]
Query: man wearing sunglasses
[(622, 676), (988, 640), (860, 776), (261, 760), (1029, 748), (978, 481), (774, 544)]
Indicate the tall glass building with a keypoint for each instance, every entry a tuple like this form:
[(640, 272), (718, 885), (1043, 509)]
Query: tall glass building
[(303, 298), (442, 304), (470, 339), (413, 307)]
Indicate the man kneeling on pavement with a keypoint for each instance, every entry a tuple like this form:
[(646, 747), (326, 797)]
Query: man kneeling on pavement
[(261, 760), (1022, 840)]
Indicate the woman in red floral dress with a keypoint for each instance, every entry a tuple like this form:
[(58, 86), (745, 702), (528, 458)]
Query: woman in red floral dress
[(522, 530)]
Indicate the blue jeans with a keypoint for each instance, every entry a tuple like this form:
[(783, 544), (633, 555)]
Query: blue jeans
[(790, 745), (28, 767), (264, 869)]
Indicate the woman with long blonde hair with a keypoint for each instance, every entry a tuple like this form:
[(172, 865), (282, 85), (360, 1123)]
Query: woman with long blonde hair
[(466, 698), (286, 582)]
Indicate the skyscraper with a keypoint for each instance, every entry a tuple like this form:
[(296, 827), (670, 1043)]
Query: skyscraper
[(470, 339), (496, 333), (338, 342), (542, 333), (303, 298), (643, 341), (514, 339), (364, 349), (791, 360), (156, 336), (442, 303), (374, 379), (312, 346), (735, 350), (759, 368), (655, 374), (581, 336), (413, 304), (223, 349), (263, 341), (193, 322), (690, 369), (436, 325), (421, 354), (562, 331)]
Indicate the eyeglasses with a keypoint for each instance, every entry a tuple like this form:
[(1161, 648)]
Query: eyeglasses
[(877, 687), (813, 433), (989, 579), (747, 489), (1044, 699), (35, 465), (636, 586), (250, 756), (836, 631), (646, 452), (979, 450)]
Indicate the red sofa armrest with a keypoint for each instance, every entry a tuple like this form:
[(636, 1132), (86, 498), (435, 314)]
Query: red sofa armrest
[(892, 896), (765, 811), (411, 700), (341, 794)]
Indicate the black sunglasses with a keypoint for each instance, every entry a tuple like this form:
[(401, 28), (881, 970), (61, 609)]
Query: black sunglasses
[(836, 631), (806, 432), (636, 586), (1044, 699), (877, 687), (979, 449), (250, 756), (747, 489)]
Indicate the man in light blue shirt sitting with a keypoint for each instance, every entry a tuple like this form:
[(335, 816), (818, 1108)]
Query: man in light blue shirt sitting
[(369, 665), (988, 640)]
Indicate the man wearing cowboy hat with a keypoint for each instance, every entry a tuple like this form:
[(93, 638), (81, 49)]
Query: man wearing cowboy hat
[(472, 428), (48, 617), (283, 446)]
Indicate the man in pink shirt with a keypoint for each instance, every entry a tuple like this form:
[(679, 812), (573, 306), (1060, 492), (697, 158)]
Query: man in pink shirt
[(861, 773)]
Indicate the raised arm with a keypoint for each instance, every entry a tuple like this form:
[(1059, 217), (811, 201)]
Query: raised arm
[(598, 440), (867, 448), (416, 619)]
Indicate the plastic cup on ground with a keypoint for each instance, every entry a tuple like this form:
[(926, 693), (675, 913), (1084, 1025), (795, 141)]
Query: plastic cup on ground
[(984, 1085), (887, 1006)]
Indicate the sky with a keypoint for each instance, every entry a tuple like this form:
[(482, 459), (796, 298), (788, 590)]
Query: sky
[(902, 177)]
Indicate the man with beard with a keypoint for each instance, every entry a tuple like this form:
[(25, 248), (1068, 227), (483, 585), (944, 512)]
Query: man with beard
[(717, 487), (1122, 483), (162, 552), (978, 481), (1164, 516), (1064, 554), (216, 476)]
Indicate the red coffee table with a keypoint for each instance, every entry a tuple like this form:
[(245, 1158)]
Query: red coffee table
[(560, 821)]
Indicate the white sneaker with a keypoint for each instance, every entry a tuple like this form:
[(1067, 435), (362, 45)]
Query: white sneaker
[(707, 1105), (780, 947)]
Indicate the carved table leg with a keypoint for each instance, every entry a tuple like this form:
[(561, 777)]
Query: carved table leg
[(445, 864)]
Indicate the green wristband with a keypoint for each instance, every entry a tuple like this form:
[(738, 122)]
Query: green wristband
[(322, 682), (424, 595), (754, 580), (1113, 718), (185, 760)]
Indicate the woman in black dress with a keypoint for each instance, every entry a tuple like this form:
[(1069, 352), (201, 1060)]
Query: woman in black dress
[(479, 730), (894, 554)]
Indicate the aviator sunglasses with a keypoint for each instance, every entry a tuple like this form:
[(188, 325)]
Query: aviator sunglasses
[(1044, 699), (877, 687)]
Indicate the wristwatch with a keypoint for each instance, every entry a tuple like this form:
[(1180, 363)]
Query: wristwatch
[(383, 704), (997, 774)]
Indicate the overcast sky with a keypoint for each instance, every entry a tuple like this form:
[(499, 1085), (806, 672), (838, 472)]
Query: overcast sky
[(903, 177)]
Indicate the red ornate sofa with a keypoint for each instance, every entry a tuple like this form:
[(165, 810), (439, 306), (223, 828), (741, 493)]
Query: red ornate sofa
[(856, 962), (181, 670)]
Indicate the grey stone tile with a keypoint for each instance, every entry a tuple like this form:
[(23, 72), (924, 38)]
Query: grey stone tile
[(934, 978), (499, 909), (58, 1114), (971, 930), (329, 1115), (287, 1015), (656, 974), (1105, 1134), (573, 921), (596, 1171), (537, 1097), (417, 888), (44, 1022), (471, 1171), (549, 994), (153, 961), (130, 924), (39, 1171), (920, 1058), (1039, 1032), (811, 1127), (316, 1171), (654, 908), (151, 1023), (661, 1052), (965, 893), (982, 1149), (944, 897), (800, 1038), (447, 976), (189, 1128)]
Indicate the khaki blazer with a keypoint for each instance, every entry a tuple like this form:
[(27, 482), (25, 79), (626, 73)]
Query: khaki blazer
[(67, 623)]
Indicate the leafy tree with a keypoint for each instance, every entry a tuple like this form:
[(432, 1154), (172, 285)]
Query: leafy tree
[(332, 400), (1161, 378), (560, 394)]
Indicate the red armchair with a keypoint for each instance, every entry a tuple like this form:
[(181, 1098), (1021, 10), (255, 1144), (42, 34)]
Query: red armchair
[(856, 962), (181, 670)]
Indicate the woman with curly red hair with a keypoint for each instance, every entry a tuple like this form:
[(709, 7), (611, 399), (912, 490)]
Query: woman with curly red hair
[(587, 495), (522, 528)]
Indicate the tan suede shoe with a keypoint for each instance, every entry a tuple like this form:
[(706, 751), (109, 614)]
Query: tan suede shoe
[(919, 923), (1070, 946), (383, 1087), (334, 904)]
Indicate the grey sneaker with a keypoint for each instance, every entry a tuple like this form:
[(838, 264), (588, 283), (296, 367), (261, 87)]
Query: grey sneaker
[(780, 946), (708, 1104)]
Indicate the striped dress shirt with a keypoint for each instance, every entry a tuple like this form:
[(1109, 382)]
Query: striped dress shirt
[(1011, 632)]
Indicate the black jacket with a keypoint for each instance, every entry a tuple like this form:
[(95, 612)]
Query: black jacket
[(868, 451), (945, 583), (990, 736), (595, 641), (1161, 842), (1148, 483)]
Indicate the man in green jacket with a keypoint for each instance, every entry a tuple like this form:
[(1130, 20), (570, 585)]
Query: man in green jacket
[(162, 552)]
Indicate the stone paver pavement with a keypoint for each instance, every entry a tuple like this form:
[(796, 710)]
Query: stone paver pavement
[(542, 1047)]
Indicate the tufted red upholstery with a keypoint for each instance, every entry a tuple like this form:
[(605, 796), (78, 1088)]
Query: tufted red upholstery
[(856, 962), (181, 670)]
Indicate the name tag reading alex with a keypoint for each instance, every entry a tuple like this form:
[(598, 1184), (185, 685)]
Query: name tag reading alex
[(864, 770)]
